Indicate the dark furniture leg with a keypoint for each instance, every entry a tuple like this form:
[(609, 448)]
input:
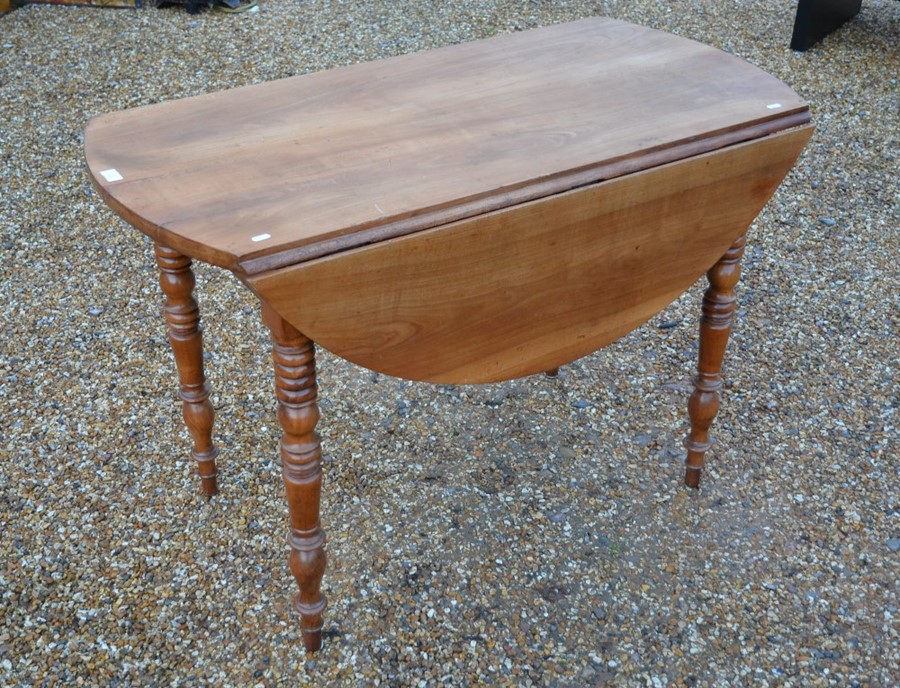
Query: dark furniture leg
[(301, 463), (817, 18), (183, 320), (715, 326)]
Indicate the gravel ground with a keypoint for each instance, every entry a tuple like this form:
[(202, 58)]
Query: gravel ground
[(529, 533)]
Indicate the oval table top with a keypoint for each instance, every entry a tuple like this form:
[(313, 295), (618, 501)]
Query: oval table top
[(274, 174)]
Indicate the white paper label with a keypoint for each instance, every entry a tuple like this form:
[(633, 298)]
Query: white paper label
[(111, 175)]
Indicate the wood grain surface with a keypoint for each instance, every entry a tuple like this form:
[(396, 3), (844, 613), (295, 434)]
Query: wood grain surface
[(528, 288), (269, 175)]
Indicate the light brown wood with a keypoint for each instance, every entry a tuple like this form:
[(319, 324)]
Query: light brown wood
[(186, 337), (529, 288), (328, 161), (471, 214), (715, 325), (294, 356)]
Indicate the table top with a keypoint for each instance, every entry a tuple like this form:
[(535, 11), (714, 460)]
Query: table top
[(270, 175)]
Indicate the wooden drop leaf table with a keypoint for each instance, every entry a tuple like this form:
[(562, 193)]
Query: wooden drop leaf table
[(469, 214)]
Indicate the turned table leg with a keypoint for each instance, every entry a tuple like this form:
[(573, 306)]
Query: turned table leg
[(294, 357), (183, 319), (715, 326)]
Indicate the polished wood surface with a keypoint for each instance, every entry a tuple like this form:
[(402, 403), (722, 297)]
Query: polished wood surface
[(183, 318), (530, 288), (310, 165), (719, 303)]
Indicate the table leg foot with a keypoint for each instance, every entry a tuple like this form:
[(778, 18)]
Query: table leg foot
[(553, 372), (715, 326), (301, 462), (310, 624), (183, 319)]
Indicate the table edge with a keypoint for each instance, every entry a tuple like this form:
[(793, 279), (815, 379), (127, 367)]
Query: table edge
[(355, 237)]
